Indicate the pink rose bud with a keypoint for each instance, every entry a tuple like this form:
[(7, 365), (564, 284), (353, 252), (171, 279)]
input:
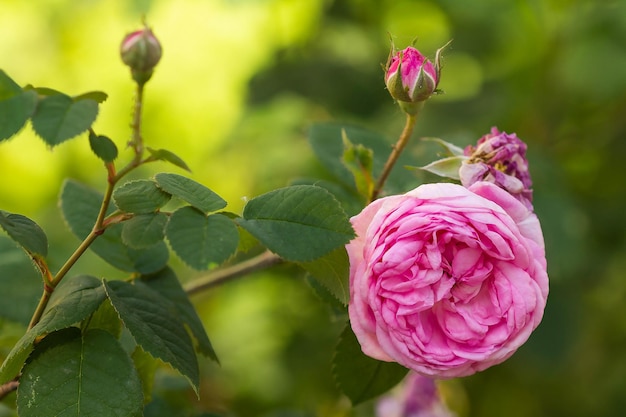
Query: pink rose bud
[(141, 51), (499, 158), (446, 280), (410, 77)]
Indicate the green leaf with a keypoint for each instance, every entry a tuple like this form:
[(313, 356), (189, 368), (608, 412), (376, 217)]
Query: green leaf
[(25, 232), (144, 230), (15, 111), (154, 326), (140, 196), (190, 191), (97, 96), (103, 147), (71, 303), (165, 155), (20, 282), (167, 284), (59, 118), (80, 206), (201, 241), (332, 271), (146, 367), (106, 318), (359, 160), (446, 167), (299, 223), (451, 149), (8, 87), (80, 375), (359, 376), (326, 141)]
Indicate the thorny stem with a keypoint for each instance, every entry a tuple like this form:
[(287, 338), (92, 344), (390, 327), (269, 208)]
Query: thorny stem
[(411, 120), (220, 276)]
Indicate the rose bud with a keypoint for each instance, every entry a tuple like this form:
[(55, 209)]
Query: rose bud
[(499, 158), (141, 51), (446, 280), (410, 77)]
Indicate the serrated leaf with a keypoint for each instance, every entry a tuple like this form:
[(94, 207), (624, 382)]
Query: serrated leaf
[(15, 112), (97, 96), (20, 282), (59, 118), (167, 284), (25, 232), (80, 375), (80, 206), (168, 156), (103, 147), (140, 196), (201, 241), (332, 271), (144, 230), (359, 376), (154, 327), (446, 167), (326, 141), (71, 303), (190, 191), (299, 223), (105, 318)]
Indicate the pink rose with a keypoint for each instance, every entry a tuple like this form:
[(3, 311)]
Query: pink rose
[(445, 280)]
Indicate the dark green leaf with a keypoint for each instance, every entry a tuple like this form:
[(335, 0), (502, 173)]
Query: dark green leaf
[(25, 232), (8, 87), (190, 191), (298, 223), (103, 147), (201, 241), (80, 206), (71, 303), (74, 375), (332, 271), (144, 230), (166, 283), (165, 155), (59, 118), (140, 196), (20, 282), (326, 141), (446, 167), (359, 376), (106, 318), (97, 96), (15, 112), (154, 327)]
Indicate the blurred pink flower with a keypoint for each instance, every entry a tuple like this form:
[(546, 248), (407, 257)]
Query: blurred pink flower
[(445, 280), (417, 396)]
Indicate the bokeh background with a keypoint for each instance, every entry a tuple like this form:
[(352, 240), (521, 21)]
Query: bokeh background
[(240, 83)]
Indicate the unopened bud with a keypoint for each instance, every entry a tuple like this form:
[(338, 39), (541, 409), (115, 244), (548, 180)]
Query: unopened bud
[(141, 51)]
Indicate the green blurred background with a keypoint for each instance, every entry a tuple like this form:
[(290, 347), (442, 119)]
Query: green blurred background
[(239, 84)]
